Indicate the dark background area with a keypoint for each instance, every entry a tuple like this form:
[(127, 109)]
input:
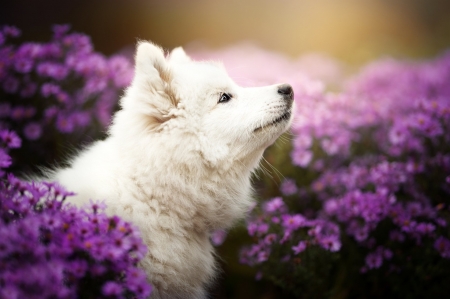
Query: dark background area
[(351, 30)]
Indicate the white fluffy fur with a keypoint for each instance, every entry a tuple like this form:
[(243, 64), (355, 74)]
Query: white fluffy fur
[(177, 163)]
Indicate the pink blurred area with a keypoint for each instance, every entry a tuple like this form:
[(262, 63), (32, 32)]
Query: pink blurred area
[(251, 65)]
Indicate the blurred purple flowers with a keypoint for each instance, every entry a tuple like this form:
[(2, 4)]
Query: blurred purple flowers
[(8, 140), (275, 226), (49, 249), (373, 166), (389, 129), (59, 87)]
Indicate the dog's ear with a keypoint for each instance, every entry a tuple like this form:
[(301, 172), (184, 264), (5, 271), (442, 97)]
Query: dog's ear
[(150, 98), (152, 72), (151, 63), (179, 56)]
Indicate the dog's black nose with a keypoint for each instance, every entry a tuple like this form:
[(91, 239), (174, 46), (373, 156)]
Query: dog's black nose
[(286, 90)]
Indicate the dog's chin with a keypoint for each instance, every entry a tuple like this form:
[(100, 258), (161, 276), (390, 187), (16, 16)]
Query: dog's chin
[(279, 122)]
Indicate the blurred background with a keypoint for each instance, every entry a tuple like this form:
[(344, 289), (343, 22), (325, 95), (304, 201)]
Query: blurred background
[(351, 31)]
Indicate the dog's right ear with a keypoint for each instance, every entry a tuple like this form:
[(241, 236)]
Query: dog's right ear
[(179, 56), (150, 98), (151, 63)]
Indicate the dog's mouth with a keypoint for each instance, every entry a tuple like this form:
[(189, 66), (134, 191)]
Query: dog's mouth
[(285, 117)]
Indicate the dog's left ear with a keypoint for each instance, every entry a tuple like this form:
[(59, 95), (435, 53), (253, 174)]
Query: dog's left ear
[(179, 56)]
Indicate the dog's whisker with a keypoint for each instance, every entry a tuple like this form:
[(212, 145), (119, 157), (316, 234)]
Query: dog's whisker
[(276, 171)]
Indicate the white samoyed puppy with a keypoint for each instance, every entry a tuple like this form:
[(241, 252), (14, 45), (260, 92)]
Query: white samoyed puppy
[(177, 162)]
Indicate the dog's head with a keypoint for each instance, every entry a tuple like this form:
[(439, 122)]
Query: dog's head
[(229, 122)]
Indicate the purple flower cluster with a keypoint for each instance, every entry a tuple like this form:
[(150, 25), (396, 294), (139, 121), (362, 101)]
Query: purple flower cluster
[(59, 87), (395, 141), (49, 249), (274, 226), (397, 199), (401, 112), (372, 175), (8, 140), (53, 250)]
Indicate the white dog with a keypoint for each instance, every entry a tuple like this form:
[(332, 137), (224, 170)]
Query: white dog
[(178, 160)]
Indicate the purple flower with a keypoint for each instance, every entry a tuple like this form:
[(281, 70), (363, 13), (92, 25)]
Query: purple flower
[(442, 245), (257, 228), (32, 131), (274, 205), (425, 124), (51, 50), (288, 187), (302, 158), (425, 228), (53, 70), (136, 282), (78, 268), (10, 139), (358, 231), (286, 236), (270, 238), (23, 65), (330, 242), (252, 228), (387, 254), (49, 89), (30, 51), (374, 260), (96, 206), (399, 134), (300, 247), (11, 31), (112, 288), (120, 71), (77, 42), (60, 30), (81, 118), (65, 124), (50, 113), (5, 160), (292, 222), (263, 256), (218, 237)]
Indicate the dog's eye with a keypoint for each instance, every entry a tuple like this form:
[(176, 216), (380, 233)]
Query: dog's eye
[(225, 97)]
